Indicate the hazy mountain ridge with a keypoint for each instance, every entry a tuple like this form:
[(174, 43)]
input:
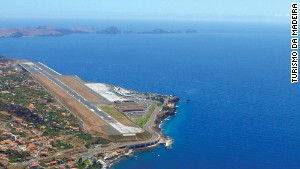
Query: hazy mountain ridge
[(57, 31)]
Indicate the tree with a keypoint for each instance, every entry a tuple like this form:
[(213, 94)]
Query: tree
[(80, 160)]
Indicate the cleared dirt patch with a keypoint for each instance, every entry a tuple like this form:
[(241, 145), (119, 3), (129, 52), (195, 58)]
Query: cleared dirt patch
[(92, 123), (112, 111), (73, 83)]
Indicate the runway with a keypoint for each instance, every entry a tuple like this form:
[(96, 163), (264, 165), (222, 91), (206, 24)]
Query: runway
[(39, 68)]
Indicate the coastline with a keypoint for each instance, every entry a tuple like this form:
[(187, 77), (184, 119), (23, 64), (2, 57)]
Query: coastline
[(159, 120), (109, 154), (52, 31), (191, 80)]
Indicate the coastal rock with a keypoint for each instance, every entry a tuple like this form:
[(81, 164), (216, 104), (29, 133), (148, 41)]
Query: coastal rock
[(159, 31), (57, 31), (191, 31), (110, 30)]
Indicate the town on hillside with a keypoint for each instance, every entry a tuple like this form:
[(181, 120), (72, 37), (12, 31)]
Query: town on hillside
[(44, 129)]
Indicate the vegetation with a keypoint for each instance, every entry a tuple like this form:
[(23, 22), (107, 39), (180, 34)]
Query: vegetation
[(26, 105), (2, 138), (50, 132), (22, 134), (159, 98), (5, 117), (90, 140), (159, 104), (112, 111), (170, 109), (87, 164), (143, 120), (16, 156), (61, 145), (144, 135), (84, 136)]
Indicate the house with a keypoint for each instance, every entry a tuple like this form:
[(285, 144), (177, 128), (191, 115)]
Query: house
[(61, 167), (71, 164), (34, 165), (18, 120), (18, 128), (44, 153), (53, 163)]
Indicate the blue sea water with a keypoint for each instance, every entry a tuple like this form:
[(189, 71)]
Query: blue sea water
[(243, 114)]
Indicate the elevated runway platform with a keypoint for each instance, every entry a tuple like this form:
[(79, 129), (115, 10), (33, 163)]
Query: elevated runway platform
[(41, 69)]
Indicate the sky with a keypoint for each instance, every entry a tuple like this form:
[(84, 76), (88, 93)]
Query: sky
[(276, 10)]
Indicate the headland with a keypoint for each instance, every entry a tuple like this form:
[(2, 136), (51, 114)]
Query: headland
[(50, 120)]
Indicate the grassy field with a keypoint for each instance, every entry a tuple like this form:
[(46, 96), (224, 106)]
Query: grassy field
[(112, 111), (143, 120)]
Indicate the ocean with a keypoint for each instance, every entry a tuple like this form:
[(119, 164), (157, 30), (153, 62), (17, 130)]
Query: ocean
[(244, 112)]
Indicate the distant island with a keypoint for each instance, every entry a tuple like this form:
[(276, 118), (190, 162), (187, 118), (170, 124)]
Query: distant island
[(57, 31)]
